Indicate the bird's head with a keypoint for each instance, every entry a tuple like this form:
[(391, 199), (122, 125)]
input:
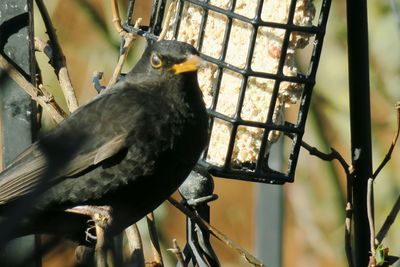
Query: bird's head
[(169, 58)]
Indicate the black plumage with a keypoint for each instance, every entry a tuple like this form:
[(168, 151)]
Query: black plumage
[(129, 148)]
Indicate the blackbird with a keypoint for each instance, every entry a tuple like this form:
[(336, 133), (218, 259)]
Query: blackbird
[(129, 148)]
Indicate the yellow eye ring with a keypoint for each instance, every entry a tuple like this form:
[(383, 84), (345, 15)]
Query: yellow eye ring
[(155, 61)]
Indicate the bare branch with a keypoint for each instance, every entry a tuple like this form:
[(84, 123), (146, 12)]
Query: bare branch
[(392, 145), (42, 46), (155, 245), (349, 209), (206, 226), (135, 245), (325, 156), (116, 18), (58, 60), (128, 41), (178, 253), (43, 99), (388, 222)]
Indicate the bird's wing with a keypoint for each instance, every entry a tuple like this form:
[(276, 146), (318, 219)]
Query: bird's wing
[(26, 174), (21, 175), (27, 170), (82, 161)]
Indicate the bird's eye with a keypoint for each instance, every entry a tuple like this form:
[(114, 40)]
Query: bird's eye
[(155, 61)]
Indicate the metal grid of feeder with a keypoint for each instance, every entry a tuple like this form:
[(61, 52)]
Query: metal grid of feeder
[(251, 81)]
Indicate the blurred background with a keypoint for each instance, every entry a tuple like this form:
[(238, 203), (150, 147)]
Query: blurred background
[(313, 209)]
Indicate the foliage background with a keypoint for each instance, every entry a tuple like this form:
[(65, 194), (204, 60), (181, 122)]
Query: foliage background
[(314, 204)]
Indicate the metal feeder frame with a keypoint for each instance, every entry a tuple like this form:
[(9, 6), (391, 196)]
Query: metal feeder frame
[(261, 172)]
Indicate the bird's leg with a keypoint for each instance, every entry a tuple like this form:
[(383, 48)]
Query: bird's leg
[(102, 218)]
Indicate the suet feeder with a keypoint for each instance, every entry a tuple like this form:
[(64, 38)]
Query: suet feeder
[(252, 80)]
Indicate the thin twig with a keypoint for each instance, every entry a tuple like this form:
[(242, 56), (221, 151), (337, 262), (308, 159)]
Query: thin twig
[(58, 60), (349, 209), (155, 245), (128, 41), (135, 245), (167, 20), (370, 213), (206, 226), (178, 253), (374, 241), (325, 156), (116, 18), (392, 145), (388, 222), (43, 99), (42, 46), (347, 236)]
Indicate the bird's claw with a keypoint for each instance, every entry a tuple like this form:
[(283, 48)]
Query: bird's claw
[(89, 236), (102, 218)]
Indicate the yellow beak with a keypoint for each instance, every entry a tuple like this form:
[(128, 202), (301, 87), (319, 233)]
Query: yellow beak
[(192, 63)]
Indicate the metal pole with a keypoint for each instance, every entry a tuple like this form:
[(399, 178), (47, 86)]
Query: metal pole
[(16, 108), (269, 215), (360, 123)]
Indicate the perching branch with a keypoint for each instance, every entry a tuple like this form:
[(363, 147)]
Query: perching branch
[(58, 60), (116, 18), (221, 237)]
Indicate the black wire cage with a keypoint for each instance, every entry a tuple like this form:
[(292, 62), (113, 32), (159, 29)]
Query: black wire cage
[(250, 47)]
